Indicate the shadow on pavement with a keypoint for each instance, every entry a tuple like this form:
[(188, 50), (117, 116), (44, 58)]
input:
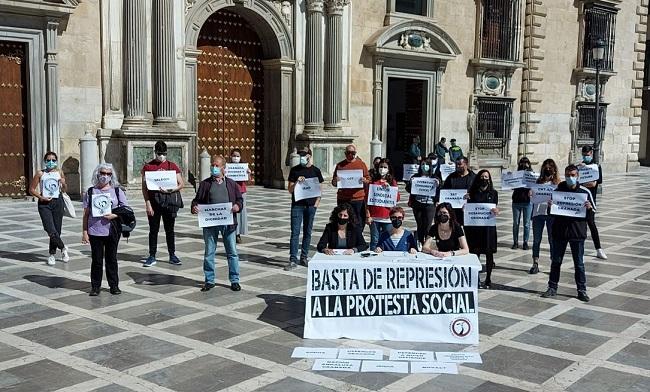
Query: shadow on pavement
[(283, 308), (55, 282), (28, 257), (162, 279)]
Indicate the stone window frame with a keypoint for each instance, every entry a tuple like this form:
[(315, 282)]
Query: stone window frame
[(393, 16), (515, 46), (585, 42), (581, 108), (507, 120)]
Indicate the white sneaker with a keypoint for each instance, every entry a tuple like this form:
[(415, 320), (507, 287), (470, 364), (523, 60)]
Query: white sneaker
[(601, 254), (51, 260), (64, 253)]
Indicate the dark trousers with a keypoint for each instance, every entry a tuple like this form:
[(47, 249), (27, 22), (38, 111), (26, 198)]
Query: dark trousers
[(169, 219), (460, 216), (423, 214), (489, 265), (591, 216), (359, 208), (103, 250), (301, 216), (577, 251), (52, 217)]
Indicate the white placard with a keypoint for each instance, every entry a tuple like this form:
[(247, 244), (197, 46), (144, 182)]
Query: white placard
[(588, 173), (446, 169), (307, 189), (101, 204), (460, 357), (315, 352), (411, 355), (382, 196), (237, 171), (569, 204), (480, 214), (434, 367), (512, 180), (337, 365), (384, 367), (542, 193), (349, 179), (361, 353), (455, 197), (394, 253), (160, 179), (339, 252), (530, 178), (410, 170), (424, 186), (215, 214), (50, 184)]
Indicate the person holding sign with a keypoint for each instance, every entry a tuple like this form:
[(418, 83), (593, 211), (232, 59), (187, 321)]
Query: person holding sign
[(397, 238), (356, 196), (463, 178), (448, 235), (218, 189), (98, 203), (377, 217), (242, 216), (423, 205), (592, 186), (47, 186), (521, 206), (162, 202), (304, 180), (548, 176), (569, 230), (342, 234), (483, 239)]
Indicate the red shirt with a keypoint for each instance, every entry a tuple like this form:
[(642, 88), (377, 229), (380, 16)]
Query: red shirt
[(381, 212), (359, 194), (156, 165)]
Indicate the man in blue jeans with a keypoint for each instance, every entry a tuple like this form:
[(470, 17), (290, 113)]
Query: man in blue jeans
[(304, 175), (570, 231), (218, 189)]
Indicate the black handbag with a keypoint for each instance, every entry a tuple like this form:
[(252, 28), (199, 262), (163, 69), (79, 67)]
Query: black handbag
[(169, 202)]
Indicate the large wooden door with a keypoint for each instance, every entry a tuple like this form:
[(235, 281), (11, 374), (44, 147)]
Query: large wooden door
[(230, 89), (14, 146)]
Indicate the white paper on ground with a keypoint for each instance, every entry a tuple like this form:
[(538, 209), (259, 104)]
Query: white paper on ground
[(460, 357), (385, 367), (315, 352), (361, 353), (340, 365), (411, 355), (434, 367)]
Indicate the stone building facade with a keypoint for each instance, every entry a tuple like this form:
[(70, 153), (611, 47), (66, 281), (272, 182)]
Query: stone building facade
[(504, 77)]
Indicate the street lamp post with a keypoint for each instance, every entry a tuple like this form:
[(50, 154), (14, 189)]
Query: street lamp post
[(598, 54)]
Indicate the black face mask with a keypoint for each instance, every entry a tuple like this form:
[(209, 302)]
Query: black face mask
[(397, 223), (485, 183), (442, 218), (342, 221), (548, 172)]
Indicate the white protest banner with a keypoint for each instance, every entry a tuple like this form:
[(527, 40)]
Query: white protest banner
[(215, 214), (542, 193), (455, 197), (349, 179), (337, 365), (237, 171), (569, 204), (101, 204), (50, 184), (307, 189), (480, 214), (446, 169), (434, 367), (424, 186), (314, 352), (512, 180), (588, 173), (436, 301), (459, 357), (530, 178), (160, 179), (384, 367), (361, 353), (410, 170), (411, 355), (382, 196)]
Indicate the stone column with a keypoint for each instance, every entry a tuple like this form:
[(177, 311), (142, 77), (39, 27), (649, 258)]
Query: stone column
[(52, 86), (314, 67), (334, 65), (135, 63), (164, 73), (377, 112)]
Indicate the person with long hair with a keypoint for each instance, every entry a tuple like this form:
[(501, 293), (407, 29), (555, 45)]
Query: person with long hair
[(397, 238), (242, 216), (342, 232), (521, 208), (47, 185), (424, 206), (483, 239), (447, 234), (378, 217), (549, 176)]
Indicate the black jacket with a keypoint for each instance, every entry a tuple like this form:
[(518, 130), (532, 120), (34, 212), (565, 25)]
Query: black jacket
[(567, 227), (234, 195), (330, 238), (455, 181)]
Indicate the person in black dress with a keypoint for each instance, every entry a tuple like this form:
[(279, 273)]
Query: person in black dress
[(483, 239), (343, 232), (447, 234)]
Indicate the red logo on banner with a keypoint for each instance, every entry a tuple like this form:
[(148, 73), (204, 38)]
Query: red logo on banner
[(461, 327)]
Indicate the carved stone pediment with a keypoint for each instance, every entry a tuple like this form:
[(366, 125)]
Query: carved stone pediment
[(55, 8)]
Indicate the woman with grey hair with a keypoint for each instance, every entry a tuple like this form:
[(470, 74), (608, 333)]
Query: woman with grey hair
[(98, 202)]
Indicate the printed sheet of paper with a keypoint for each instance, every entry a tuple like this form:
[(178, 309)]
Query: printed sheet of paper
[(411, 355), (410, 170), (101, 204), (446, 169), (349, 179), (434, 367), (337, 365), (512, 180), (588, 173), (160, 179), (307, 189), (542, 193), (50, 184), (361, 353), (237, 171), (384, 367), (382, 196), (424, 186), (480, 214), (215, 214), (315, 352), (569, 204), (455, 197), (459, 357)]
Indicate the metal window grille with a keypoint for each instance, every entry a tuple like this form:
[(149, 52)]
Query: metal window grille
[(494, 122), (500, 30), (600, 23), (586, 132), (416, 7)]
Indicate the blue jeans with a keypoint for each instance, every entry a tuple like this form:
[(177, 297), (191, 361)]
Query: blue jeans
[(210, 237), (538, 230), (517, 210), (301, 215), (577, 251), (376, 228)]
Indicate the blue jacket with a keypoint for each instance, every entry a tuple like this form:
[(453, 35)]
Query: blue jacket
[(404, 245)]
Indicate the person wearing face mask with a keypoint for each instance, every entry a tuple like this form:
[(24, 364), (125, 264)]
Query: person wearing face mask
[(397, 238), (158, 206), (447, 234), (242, 216), (424, 205), (213, 190), (442, 150), (46, 186), (521, 207), (342, 233), (302, 211), (483, 239), (375, 167), (548, 175), (570, 231), (463, 178), (592, 186), (356, 197), (98, 230), (377, 217)]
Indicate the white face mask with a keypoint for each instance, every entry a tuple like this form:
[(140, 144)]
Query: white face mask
[(383, 171), (161, 157), (236, 159)]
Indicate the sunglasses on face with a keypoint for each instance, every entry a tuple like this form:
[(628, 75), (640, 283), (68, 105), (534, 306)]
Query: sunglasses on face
[(350, 153)]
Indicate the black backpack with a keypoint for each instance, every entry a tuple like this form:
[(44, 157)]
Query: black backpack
[(125, 222)]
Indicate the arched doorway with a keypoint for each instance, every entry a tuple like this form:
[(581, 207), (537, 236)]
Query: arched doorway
[(230, 90)]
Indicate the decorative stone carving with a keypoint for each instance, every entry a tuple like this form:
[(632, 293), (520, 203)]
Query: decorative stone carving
[(188, 5), (415, 40), (285, 8), (493, 83)]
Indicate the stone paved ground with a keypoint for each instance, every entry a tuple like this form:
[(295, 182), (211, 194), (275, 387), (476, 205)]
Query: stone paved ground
[(163, 334)]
